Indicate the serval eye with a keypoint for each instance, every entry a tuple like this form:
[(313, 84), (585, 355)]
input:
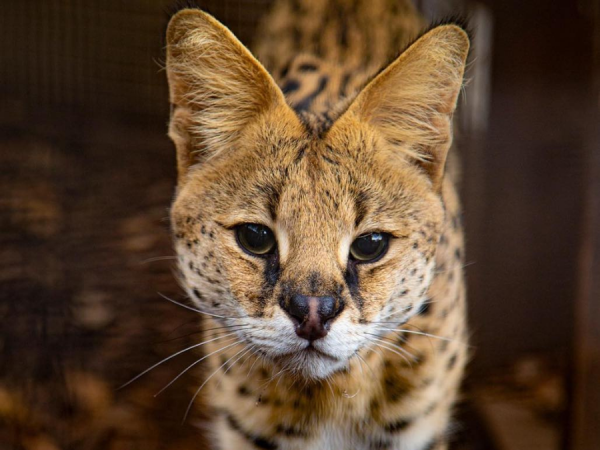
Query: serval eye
[(256, 239), (369, 247)]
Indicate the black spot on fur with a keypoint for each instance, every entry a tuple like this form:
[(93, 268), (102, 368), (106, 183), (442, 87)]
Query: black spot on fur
[(258, 441), (306, 102), (197, 294), (397, 426), (344, 83), (330, 197), (452, 362), (330, 161), (300, 154), (285, 69), (289, 431), (290, 86), (424, 309), (395, 388), (244, 391), (307, 67)]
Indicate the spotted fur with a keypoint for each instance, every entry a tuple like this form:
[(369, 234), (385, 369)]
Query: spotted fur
[(334, 144)]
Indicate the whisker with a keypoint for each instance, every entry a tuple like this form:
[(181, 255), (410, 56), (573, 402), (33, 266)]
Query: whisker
[(362, 374), (470, 263), (274, 376), (197, 310), (280, 377), (421, 333), (399, 310), (366, 363), (237, 341), (187, 411), (230, 366), (242, 364), (393, 344), (397, 322), (235, 362), (257, 357), (157, 258), (231, 328), (390, 343), (330, 387), (383, 344), (173, 356)]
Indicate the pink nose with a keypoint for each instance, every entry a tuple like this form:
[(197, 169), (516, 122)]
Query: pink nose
[(312, 315)]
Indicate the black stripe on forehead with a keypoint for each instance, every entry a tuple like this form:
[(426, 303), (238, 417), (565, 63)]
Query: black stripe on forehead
[(360, 206), (271, 195), (316, 124)]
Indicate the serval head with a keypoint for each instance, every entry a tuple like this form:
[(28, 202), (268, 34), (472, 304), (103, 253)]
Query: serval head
[(309, 237)]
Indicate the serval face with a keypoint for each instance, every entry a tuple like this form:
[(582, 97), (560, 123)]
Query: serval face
[(307, 242)]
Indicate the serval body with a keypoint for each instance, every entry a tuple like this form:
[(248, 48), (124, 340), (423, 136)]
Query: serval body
[(316, 227)]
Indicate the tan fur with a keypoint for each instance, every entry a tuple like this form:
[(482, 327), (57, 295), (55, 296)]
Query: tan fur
[(319, 177)]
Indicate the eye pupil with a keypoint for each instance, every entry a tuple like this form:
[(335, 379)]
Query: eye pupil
[(256, 239), (369, 247)]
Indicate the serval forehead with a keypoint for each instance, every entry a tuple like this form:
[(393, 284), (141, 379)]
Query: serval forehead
[(316, 124)]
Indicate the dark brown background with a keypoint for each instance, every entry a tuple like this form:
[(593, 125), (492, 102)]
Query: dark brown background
[(87, 174)]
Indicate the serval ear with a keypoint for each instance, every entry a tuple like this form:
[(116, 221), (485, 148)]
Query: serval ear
[(216, 87), (411, 102)]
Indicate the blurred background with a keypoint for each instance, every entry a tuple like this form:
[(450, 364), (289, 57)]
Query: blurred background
[(87, 175)]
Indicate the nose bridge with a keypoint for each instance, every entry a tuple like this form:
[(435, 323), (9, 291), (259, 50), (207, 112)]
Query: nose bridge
[(313, 234), (312, 266)]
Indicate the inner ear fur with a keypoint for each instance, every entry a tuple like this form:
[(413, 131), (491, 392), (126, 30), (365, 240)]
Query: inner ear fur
[(411, 102), (216, 87)]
